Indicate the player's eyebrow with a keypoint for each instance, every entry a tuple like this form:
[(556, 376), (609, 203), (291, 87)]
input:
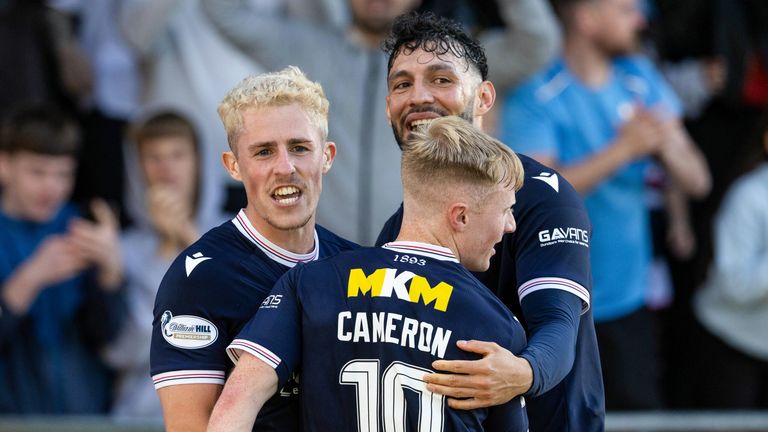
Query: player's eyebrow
[(436, 67)]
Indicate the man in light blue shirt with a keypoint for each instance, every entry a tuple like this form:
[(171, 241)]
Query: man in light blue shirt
[(601, 115)]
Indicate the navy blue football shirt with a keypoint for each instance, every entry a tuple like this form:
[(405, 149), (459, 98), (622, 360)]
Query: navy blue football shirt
[(208, 294), (365, 326), (542, 273)]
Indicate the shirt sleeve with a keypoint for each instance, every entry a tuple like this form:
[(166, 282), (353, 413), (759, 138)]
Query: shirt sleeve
[(190, 328), (273, 335), (553, 320), (554, 282), (553, 253)]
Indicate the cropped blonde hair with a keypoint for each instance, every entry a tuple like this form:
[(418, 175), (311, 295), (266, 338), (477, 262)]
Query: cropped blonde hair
[(451, 151), (286, 87)]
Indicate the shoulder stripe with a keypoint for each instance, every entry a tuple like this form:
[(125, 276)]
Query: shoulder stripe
[(166, 379), (567, 285), (257, 350)]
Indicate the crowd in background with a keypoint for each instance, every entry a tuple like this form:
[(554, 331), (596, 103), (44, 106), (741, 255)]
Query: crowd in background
[(134, 84)]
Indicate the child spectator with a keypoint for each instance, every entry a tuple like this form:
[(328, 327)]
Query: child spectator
[(60, 274)]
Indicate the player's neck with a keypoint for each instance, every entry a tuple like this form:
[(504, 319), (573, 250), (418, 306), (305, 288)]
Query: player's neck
[(421, 233), (299, 240), (587, 61)]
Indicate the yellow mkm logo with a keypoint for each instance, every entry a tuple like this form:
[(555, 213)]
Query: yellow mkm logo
[(385, 282)]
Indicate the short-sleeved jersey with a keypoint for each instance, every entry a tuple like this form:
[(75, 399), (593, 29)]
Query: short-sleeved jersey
[(366, 326), (208, 294), (548, 255), (555, 114)]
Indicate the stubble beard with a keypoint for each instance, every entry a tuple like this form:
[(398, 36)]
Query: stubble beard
[(468, 115)]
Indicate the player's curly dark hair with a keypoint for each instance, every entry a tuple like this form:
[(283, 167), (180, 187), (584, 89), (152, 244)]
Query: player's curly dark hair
[(433, 34)]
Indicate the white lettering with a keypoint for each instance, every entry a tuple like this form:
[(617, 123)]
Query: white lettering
[(361, 328), (340, 333), (393, 328), (409, 332), (378, 327)]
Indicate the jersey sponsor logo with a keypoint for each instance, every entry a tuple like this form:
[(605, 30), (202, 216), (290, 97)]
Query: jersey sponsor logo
[(564, 235), (550, 179), (193, 261), (187, 331), (386, 282), (271, 302)]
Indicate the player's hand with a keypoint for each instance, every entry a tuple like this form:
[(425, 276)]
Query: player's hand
[(493, 380), (97, 242)]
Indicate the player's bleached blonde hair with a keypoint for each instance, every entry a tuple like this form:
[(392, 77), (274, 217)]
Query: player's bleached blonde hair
[(450, 151), (286, 87)]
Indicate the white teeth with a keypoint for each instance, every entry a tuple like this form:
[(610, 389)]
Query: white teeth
[(422, 122), (287, 190), (287, 200)]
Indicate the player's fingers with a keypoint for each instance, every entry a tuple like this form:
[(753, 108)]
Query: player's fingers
[(450, 380), (467, 404), (476, 346), (456, 366), (456, 392)]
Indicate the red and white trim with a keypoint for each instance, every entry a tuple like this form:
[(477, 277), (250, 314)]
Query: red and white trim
[(273, 251), (171, 378), (568, 285), (424, 249), (263, 354)]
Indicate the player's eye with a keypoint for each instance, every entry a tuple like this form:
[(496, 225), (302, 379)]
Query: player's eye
[(300, 149), (263, 152), (401, 85)]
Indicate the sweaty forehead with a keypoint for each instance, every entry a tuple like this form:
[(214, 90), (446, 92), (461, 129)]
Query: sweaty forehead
[(415, 61)]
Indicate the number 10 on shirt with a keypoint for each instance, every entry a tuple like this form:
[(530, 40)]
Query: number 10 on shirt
[(364, 375)]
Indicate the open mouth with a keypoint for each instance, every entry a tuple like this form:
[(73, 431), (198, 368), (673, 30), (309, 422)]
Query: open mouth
[(286, 195), (417, 124)]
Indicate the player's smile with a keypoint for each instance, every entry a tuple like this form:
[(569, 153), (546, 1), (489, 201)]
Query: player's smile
[(286, 195), (421, 116)]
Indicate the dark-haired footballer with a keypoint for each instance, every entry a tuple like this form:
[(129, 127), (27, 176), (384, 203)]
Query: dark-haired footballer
[(541, 272)]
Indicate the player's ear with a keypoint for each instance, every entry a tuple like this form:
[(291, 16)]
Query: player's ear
[(389, 116), (329, 154), (458, 216), (486, 97), (230, 163)]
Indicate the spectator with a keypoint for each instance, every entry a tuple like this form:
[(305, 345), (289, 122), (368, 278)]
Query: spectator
[(42, 62), (110, 102), (187, 67), (732, 305), (61, 274), (169, 159), (598, 114), (364, 188)]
